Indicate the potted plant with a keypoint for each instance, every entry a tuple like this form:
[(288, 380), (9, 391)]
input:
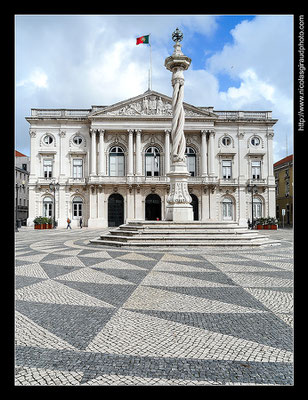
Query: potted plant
[(265, 223), (42, 223), (38, 223), (272, 223), (259, 223)]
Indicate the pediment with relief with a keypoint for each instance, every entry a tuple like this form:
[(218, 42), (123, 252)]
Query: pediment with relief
[(149, 104)]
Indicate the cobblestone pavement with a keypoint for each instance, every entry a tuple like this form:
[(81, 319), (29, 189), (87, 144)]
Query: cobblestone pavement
[(95, 315)]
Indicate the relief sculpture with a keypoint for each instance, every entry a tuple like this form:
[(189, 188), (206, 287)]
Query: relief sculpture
[(149, 105)]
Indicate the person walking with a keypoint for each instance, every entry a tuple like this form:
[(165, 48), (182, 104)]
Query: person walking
[(68, 223), (80, 222)]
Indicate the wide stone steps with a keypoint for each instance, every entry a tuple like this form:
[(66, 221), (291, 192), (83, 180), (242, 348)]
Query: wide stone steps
[(166, 233)]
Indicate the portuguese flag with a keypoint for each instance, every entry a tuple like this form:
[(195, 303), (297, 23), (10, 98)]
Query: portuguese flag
[(143, 39)]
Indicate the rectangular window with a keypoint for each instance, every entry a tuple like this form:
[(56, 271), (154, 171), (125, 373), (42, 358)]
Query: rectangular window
[(116, 164), (191, 165), (47, 167), (256, 169), (151, 165), (77, 209), (77, 168), (226, 169)]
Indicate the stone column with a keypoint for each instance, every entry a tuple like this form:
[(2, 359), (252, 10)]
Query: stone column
[(62, 175), (130, 210), (203, 153), (138, 152), (101, 161), (139, 209), (178, 207), (270, 135), (211, 153), (167, 151), (92, 221), (61, 207), (130, 166), (32, 178), (93, 151), (101, 217), (32, 154)]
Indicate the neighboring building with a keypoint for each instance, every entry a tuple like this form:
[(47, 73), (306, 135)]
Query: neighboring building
[(22, 166), (111, 162), (283, 170)]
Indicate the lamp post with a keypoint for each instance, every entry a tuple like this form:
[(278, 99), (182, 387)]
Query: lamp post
[(53, 187), (252, 188), (17, 186)]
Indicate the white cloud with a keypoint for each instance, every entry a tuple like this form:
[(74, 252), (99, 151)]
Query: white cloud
[(251, 91), (37, 79)]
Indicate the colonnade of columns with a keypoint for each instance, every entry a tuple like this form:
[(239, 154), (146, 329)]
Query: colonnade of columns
[(207, 152)]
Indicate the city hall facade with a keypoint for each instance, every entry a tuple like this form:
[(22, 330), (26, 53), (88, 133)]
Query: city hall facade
[(111, 162)]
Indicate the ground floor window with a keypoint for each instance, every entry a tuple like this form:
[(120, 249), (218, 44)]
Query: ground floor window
[(47, 207), (77, 207), (227, 209), (257, 208)]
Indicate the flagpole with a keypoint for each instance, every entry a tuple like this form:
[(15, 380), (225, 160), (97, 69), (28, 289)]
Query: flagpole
[(150, 63)]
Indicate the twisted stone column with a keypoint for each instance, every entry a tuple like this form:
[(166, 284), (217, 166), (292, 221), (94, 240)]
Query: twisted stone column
[(177, 131), (178, 207)]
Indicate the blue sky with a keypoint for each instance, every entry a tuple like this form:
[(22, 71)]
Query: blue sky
[(239, 62)]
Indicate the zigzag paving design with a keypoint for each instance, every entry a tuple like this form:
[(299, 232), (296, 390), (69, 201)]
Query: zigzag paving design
[(137, 317)]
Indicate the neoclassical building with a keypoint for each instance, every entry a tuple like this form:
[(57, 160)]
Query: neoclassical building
[(111, 162)]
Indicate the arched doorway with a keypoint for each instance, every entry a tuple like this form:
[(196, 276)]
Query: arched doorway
[(152, 207), (115, 210), (195, 206)]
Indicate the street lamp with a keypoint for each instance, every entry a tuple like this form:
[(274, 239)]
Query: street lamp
[(53, 187), (252, 188), (16, 211)]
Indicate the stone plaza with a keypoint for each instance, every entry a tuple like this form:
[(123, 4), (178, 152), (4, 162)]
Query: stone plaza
[(107, 316)]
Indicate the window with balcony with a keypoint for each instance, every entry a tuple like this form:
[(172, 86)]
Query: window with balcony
[(256, 169), (47, 168), (77, 168), (152, 162), (191, 160), (226, 169), (116, 161)]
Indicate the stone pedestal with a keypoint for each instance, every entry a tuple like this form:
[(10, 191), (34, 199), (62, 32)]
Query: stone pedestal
[(178, 207)]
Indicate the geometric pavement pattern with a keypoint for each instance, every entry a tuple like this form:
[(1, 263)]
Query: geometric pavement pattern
[(94, 315)]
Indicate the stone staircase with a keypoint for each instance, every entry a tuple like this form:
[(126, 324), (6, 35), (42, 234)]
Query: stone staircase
[(194, 233)]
